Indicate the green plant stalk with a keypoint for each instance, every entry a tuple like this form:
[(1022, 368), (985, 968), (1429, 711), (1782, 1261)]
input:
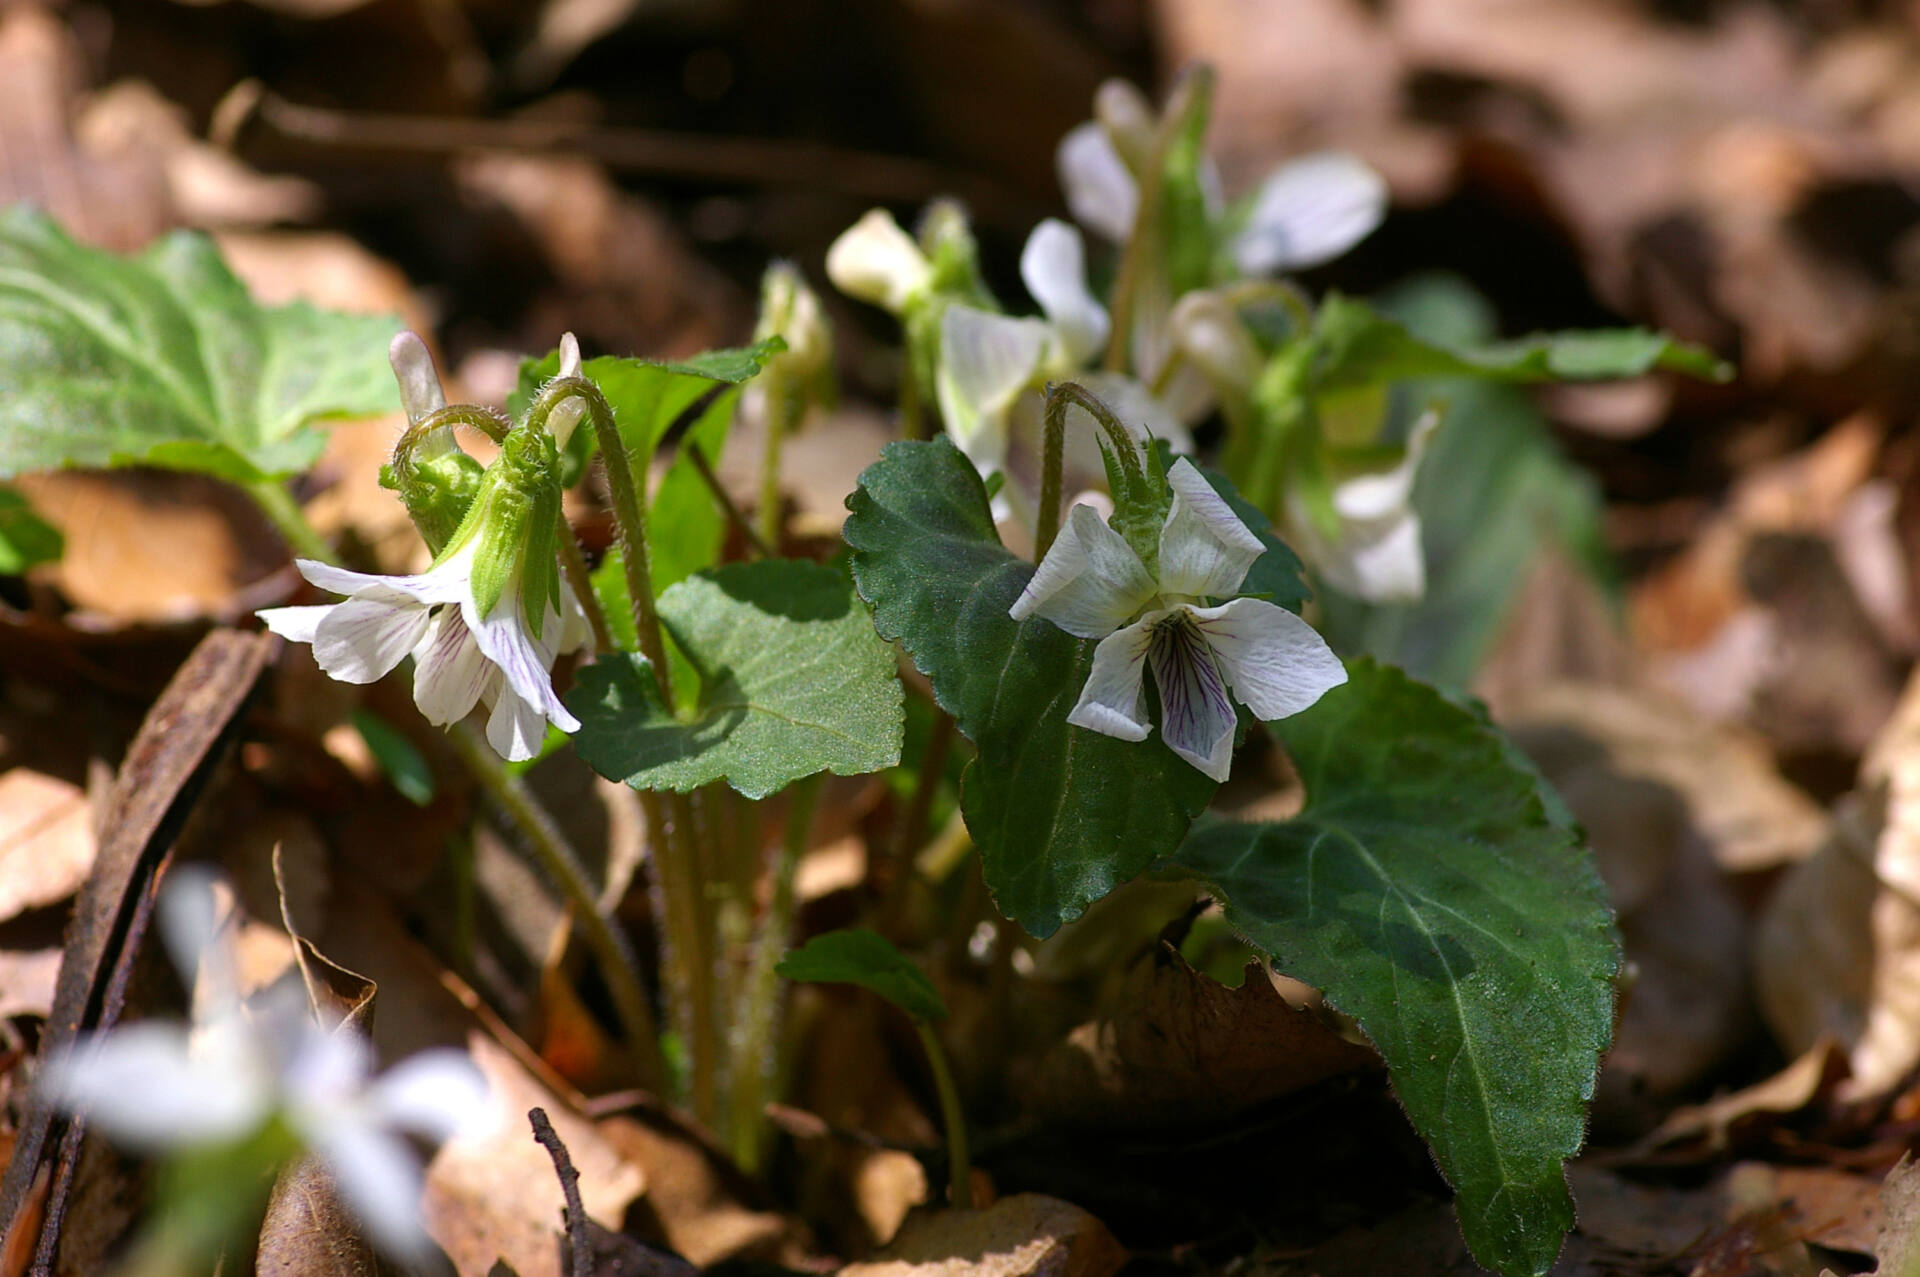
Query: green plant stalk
[(1146, 226), (562, 864), (783, 405), (757, 547), (959, 1158), (1061, 395), (757, 1014), (284, 513), (574, 567), (629, 512)]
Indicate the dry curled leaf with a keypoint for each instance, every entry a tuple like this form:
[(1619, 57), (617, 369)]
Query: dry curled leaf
[(1023, 1236)]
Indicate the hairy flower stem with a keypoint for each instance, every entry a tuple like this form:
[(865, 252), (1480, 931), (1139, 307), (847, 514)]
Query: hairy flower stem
[(757, 1015), (561, 863), (629, 512), (959, 1158), (1060, 396)]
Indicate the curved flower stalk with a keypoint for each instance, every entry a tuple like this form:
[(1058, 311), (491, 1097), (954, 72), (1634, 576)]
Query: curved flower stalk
[(993, 367), (484, 623), (1093, 585), (266, 1077), (1305, 213)]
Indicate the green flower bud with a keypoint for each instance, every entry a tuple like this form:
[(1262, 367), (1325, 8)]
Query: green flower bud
[(435, 480)]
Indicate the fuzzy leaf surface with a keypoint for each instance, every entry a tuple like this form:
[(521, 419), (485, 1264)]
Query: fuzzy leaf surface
[(1061, 815), (793, 681), (163, 359), (870, 960), (1428, 889)]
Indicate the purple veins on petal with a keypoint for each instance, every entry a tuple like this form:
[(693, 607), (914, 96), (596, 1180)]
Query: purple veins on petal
[(1196, 713)]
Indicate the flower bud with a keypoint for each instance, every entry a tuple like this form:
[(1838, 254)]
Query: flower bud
[(1129, 119), (876, 261), (435, 480), (791, 311), (1208, 331), (569, 412)]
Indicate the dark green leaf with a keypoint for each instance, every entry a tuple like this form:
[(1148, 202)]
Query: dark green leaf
[(404, 765), (868, 959), (1061, 815), (792, 682), (1426, 889), (163, 359), (1360, 347), (25, 538)]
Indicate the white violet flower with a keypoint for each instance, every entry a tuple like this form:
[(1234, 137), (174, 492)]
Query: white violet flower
[(992, 369), (876, 261), (1374, 552), (1093, 585), (485, 622), (157, 1086), (1305, 213)]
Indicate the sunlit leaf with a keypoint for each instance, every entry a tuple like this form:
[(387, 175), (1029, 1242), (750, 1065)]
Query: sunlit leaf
[(163, 359), (25, 538)]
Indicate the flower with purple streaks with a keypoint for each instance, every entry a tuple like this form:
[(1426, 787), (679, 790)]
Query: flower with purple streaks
[(1093, 585)]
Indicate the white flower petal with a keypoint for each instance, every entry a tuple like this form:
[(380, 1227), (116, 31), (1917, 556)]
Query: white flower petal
[(1196, 714), (1211, 335), (1204, 547), (1309, 211), (325, 1069), (569, 412), (876, 261), (517, 728), (437, 1093), (1053, 265), (569, 355), (139, 1084), (1090, 582), (1128, 119), (1114, 702), (1277, 663), (449, 669), (379, 1179), (1379, 562), (362, 639), (420, 392), (504, 639), (294, 624), (1101, 192), (446, 583), (985, 361), (1384, 494)]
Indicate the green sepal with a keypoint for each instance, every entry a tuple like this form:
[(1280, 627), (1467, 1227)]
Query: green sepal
[(1141, 499), (437, 493), (515, 515)]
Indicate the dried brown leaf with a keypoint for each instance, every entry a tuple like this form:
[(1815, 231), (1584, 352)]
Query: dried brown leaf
[(1023, 1236)]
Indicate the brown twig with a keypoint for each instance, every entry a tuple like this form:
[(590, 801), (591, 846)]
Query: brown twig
[(579, 1248)]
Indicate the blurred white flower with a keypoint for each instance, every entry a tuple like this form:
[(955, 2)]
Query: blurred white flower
[(876, 261), (993, 367), (1374, 550), (1305, 213), (1093, 585), (161, 1087)]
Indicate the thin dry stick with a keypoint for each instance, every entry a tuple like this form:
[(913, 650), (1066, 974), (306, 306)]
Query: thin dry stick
[(579, 1250)]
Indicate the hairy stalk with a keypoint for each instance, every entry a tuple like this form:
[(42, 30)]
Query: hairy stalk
[(562, 864), (1060, 396), (574, 568), (629, 512), (959, 1158), (490, 422), (757, 1015)]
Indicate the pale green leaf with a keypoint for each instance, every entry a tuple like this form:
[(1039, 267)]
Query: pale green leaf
[(25, 538), (163, 359)]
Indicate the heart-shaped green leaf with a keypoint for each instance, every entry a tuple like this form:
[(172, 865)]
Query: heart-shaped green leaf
[(793, 681), (868, 959), (1434, 894)]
